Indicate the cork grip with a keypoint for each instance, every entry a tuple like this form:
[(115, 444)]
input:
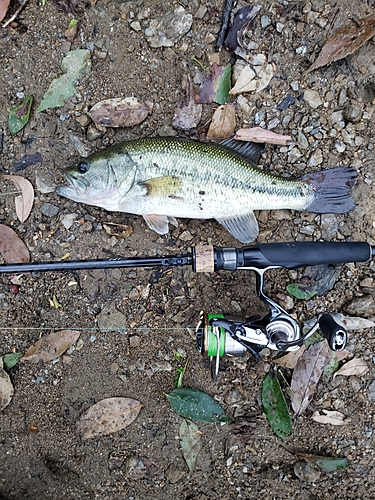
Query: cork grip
[(204, 258)]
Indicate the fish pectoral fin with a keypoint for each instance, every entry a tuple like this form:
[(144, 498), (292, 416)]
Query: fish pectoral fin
[(162, 187), (159, 223), (244, 227)]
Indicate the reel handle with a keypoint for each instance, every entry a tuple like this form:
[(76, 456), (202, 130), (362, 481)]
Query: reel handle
[(334, 333)]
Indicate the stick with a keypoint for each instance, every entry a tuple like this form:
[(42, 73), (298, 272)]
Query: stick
[(15, 14), (224, 24)]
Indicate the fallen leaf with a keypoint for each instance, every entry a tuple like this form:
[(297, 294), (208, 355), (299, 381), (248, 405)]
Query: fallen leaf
[(51, 346), (108, 416), (11, 359), (216, 86), (355, 366), (275, 407), (4, 4), (223, 122), (330, 417), (188, 113), (301, 291), (352, 322), (191, 445), (259, 134), (126, 230), (241, 20), (197, 405), (290, 359), (12, 248), (345, 41), (75, 65), (19, 116), (327, 464), (249, 81), (24, 202), (117, 112), (6, 387), (307, 374)]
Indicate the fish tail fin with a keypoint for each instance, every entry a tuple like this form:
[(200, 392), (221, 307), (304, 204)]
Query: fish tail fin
[(331, 190)]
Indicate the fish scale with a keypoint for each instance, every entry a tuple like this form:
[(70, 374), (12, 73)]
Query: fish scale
[(162, 178)]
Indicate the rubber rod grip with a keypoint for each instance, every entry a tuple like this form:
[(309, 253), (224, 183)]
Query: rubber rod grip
[(334, 333), (299, 254)]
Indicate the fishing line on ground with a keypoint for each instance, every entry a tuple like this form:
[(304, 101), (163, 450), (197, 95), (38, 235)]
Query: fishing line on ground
[(113, 329)]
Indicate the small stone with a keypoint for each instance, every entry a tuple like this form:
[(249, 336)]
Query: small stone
[(315, 159), (312, 97), (306, 472), (353, 113), (93, 133), (265, 21), (68, 220), (371, 391), (43, 182), (308, 230), (340, 146), (83, 120), (294, 85), (110, 319), (362, 306), (186, 236), (136, 26), (134, 341), (233, 396), (279, 27), (49, 210), (302, 140), (329, 226)]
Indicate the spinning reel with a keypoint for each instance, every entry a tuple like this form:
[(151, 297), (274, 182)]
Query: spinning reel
[(218, 335)]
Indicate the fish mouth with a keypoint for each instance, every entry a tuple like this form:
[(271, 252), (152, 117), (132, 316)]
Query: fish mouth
[(75, 186)]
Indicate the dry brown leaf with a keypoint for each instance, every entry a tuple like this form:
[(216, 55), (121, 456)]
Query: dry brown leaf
[(51, 346), (4, 4), (290, 359), (345, 41), (259, 134), (116, 112), (12, 248), (307, 374), (187, 112), (24, 202), (330, 417), (6, 387), (223, 122), (108, 416), (355, 366)]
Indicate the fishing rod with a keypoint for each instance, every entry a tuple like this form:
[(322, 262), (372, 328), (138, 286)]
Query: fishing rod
[(233, 335)]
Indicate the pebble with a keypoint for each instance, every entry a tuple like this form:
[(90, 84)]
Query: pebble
[(312, 97), (315, 159), (329, 226), (93, 133), (49, 210), (371, 391), (111, 319), (134, 341), (68, 220), (186, 236), (306, 472), (265, 21), (362, 306)]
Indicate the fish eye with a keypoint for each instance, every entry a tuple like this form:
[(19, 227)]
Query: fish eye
[(83, 167)]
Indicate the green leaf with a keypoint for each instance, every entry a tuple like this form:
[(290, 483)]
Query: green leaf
[(190, 443), (180, 375), (333, 364), (73, 23), (300, 291), (275, 407), (222, 85), (75, 65), (329, 464), (11, 359), (19, 116), (197, 405)]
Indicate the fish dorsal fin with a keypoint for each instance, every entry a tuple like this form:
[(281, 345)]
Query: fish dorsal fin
[(166, 186), (244, 227), (159, 223), (251, 150)]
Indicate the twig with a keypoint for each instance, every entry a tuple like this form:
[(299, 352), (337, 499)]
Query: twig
[(224, 24), (15, 14)]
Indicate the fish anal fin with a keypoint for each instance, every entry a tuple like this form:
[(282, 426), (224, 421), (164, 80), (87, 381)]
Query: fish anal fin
[(162, 187), (244, 227), (159, 223)]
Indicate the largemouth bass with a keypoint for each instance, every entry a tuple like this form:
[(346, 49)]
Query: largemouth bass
[(162, 178)]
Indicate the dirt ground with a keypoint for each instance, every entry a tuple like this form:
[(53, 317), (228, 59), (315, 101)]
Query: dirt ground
[(133, 321)]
